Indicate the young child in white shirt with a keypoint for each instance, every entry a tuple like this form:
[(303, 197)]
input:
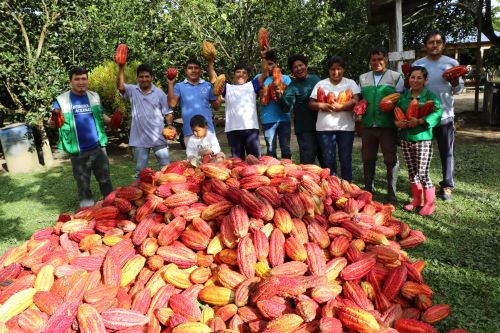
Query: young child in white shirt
[(203, 145)]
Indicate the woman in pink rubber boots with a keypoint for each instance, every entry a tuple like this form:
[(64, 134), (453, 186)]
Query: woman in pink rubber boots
[(416, 138)]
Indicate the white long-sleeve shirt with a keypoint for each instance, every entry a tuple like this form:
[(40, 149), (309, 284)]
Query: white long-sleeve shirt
[(196, 145), (440, 86)]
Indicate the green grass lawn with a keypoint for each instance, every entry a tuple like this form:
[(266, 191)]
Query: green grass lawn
[(462, 251)]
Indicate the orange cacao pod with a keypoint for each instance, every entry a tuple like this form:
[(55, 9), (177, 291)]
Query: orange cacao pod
[(455, 72), (263, 38), (208, 50), (399, 114)]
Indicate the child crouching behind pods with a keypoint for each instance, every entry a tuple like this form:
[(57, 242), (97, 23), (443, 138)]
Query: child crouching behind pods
[(203, 145), (416, 139)]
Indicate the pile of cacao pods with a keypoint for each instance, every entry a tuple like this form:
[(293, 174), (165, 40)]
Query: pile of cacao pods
[(259, 245)]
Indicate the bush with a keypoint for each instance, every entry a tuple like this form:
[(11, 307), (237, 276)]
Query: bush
[(102, 80)]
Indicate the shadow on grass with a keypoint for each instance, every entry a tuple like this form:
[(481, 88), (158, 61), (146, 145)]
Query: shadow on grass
[(11, 229), (55, 188)]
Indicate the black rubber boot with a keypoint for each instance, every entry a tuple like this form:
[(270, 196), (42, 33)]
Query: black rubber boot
[(392, 180), (369, 174)]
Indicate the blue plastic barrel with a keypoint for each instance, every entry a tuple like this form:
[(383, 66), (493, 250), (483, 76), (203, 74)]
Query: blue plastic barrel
[(19, 148)]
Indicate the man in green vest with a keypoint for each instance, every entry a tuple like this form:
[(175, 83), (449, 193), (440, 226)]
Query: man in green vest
[(82, 135), (378, 126)]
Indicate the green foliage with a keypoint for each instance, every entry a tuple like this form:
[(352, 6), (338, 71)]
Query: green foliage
[(453, 18), (31, 73), (495, 13), (102, 79), (491, 59)]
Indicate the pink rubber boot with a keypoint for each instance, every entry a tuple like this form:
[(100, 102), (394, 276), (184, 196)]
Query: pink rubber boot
[(429, 201), (416, 192)]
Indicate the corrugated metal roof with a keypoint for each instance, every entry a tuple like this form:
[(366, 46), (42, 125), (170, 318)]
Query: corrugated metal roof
[(473, 38)]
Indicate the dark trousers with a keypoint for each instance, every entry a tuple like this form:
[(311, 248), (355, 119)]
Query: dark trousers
[(371, 138), (328, 141), (445, 137), (94, 160), (282, 131), (244, 142), (309, 148)]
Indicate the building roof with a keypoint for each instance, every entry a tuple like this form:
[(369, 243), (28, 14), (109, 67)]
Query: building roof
[(473, 39)]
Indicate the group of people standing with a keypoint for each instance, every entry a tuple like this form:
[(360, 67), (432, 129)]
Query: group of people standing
[(321, 127)]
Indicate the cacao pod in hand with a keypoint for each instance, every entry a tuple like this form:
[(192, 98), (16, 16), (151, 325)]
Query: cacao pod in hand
[(360, 107), (121, 54), (272, 93), (171, 73), (330, 98), (399, 114), (321, 95), (57, 118), (344, 96), (277, 77), (208, 50), (219, 85), (266, 96), (116, 120), (455, 72), (263, 38), (412, 111), (405, 68), (388, 102), (169, 133), (426, 109)]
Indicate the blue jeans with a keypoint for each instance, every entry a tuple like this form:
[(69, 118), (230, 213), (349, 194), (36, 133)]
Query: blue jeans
[(328, 141), (282, 131), (141, 156), (309, 148)]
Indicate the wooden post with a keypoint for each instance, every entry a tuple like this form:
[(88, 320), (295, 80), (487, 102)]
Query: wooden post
[(478, 54), (396, 34), (398, 11)]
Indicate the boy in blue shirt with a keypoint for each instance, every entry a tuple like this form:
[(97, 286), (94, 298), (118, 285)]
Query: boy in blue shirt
[(275, 122)]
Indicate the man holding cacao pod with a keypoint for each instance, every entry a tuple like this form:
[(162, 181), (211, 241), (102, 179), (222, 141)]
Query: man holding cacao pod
[(378, 126), (444, 87), (296, 98), (194, 95), (82, 135), (150, 111), (242, 124), (275, 123)]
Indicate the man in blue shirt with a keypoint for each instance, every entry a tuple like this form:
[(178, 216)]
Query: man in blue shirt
[(194, 95), (82, 135), (275, 123), (149, 113)]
